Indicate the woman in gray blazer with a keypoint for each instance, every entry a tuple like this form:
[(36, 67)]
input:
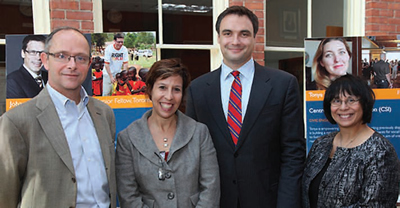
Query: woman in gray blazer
[(166, 159)]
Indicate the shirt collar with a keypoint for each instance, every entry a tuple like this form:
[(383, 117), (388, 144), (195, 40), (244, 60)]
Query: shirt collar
[(33, 74), (245, 70), (60, 99)]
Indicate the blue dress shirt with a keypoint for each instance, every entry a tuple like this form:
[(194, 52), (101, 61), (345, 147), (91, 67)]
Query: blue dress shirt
[(84, 146)]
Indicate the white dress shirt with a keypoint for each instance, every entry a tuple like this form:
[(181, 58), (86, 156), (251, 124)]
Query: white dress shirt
[(246, 79)]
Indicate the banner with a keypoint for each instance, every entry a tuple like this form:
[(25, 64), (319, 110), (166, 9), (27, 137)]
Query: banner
[(126, 97), (386, 114)]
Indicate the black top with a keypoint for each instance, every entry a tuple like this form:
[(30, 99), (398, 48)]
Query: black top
[(314, 185)]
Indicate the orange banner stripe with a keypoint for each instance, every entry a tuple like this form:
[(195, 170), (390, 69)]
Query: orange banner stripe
[(380, 94), (128, 101)]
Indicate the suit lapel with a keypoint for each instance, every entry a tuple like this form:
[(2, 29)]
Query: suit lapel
[(213, 99), (53, 129), (256, 102), (141, 138), (184, 133), (31, 88)]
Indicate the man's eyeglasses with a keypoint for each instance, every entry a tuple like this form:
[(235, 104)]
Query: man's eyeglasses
[(349, 102), (33, 52), (65, 58)]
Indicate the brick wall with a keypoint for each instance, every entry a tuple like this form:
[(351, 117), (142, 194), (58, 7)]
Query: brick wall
[(257, 6), (73, 13), (382, 17)]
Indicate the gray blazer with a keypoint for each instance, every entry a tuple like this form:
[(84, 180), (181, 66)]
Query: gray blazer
[(191, 170), (36, 168)]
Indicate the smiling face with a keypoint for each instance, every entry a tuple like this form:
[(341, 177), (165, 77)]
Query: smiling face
[(118, 43), (132, 74), (33, 62), (67, 78), (166, 96), (346, 114), (236, 40), (335, 59)]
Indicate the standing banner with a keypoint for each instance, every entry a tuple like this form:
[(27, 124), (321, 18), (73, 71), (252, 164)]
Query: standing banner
[(26, 75), (363, 54)]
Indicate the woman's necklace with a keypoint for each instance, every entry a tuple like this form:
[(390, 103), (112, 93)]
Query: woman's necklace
[(165, 140), (351, 140)]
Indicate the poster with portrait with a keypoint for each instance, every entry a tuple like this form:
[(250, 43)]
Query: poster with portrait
[(329, 58), (23, 53), (128, 57), (25, 74)]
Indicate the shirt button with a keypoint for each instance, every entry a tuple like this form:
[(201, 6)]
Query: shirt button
[(171, 196), (235, 155), (73, 180), (234, 181)]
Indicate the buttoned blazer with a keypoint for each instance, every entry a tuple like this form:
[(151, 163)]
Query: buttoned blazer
[(265, 168), (191, 169), (21, 84), (36, 168)]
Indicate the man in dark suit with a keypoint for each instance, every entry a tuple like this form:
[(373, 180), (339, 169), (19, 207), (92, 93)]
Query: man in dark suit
[(264, 168), (29, 79), (57, 150)]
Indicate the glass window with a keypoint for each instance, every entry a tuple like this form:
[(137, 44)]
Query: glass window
[(187, 22), (327, 22), (292, 62), (286, 23), (184, 21), (198, 61), (130, 16), (16, 17)]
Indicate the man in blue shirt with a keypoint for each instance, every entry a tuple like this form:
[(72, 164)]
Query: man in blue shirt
[(57, 150), (262, 152)]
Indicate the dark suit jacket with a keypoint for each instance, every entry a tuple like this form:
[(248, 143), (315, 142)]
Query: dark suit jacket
[(21, 84), (36, 168), (265, 168)]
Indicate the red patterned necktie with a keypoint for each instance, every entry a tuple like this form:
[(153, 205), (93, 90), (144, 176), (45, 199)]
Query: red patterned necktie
[(235, 108)]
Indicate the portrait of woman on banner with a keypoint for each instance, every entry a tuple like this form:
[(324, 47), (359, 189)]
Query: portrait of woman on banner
[(331, 60)]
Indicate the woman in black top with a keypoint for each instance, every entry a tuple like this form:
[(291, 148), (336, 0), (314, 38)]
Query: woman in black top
[(356, 166)]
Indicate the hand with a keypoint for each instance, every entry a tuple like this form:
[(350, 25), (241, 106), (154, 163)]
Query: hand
[(113, 80)]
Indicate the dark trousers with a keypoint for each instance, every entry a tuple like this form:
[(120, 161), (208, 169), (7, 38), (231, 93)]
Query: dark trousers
[(382, 83)]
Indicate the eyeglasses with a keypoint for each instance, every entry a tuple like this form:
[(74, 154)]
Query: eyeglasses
[(33, 52), (349, 102), (65, 58)]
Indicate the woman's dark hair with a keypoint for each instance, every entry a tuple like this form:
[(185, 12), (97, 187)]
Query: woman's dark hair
[(166, 68), (353, 86)]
